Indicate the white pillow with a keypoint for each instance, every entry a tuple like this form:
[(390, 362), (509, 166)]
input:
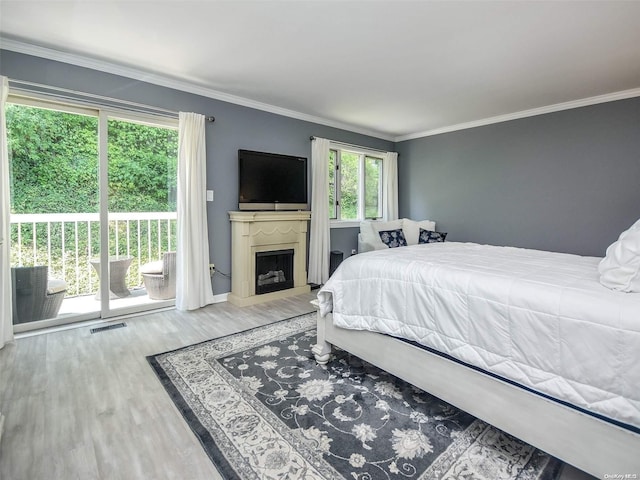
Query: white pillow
[(370, 231), (379, 225), (620, 268), (152, 267), (411, 229), (366, 232), (635, 226)]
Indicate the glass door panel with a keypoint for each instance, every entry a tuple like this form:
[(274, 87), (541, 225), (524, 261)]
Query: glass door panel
[(141, 203), (53, 161)]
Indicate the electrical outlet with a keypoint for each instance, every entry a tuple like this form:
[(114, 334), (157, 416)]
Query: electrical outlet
[(212, 269)]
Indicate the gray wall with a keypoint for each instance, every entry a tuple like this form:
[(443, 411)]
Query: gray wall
[(344, 239), (567, 181), (235, 127)]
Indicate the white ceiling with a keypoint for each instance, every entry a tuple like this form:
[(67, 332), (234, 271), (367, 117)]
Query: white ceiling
[(395, 69)]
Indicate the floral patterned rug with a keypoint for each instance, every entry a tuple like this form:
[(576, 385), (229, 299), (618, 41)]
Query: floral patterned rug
[(264, 409)]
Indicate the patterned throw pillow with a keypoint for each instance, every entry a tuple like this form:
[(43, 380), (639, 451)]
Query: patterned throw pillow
[(428, 236), (393, 238)]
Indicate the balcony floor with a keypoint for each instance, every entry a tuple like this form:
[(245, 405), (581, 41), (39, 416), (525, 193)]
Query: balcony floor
[(85, 304)]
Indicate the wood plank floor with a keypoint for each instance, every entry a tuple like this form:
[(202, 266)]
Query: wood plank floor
[(88, 406)]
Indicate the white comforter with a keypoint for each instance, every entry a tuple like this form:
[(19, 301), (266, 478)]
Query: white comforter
[(539, 318)]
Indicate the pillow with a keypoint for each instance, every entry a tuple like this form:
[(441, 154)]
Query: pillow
[(379, 225), (55, 285), (430, 236), (393, 238), (635, 226), (411, 229), (620, 268), (369, 230), (152, 267)]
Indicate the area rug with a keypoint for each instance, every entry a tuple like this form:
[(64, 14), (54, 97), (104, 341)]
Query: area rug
[(263, 408)]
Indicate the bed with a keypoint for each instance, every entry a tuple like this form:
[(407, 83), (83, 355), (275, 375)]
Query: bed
[(526, 340)]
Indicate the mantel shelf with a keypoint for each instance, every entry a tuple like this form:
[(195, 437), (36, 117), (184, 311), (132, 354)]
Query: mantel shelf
[(244, 216)]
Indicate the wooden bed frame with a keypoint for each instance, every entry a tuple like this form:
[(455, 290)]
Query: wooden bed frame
[(586, 442)]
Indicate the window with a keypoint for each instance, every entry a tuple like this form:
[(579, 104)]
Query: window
[(355, 184)]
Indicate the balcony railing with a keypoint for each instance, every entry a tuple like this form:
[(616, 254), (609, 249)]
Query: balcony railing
[(67, 242)]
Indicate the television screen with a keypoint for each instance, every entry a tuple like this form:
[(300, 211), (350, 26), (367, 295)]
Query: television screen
[(269, 181)]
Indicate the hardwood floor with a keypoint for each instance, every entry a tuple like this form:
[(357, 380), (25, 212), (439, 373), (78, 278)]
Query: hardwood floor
[(88, 406)]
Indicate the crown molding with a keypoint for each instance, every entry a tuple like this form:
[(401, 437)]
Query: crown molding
[(181, 85), (184, 86), (583, 102)]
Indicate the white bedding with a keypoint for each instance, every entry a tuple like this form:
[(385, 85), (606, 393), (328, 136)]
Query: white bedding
[(539, 318)]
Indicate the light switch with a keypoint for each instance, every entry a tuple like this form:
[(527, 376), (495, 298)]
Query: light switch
[(209, 195)]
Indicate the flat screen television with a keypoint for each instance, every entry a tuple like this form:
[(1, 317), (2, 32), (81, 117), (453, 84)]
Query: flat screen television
[(269, 181)]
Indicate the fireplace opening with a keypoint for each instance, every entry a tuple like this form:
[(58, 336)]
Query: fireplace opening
[(274, 271)]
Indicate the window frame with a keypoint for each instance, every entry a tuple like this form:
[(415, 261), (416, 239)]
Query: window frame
[(44, 101), (363, 153)]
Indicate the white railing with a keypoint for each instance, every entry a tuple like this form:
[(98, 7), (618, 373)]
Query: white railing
[(67, 242)]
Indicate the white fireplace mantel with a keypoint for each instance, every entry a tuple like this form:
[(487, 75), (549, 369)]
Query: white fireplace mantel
[(253, 232)]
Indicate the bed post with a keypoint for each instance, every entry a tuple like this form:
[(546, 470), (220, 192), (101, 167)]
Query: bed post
[(322, 349)]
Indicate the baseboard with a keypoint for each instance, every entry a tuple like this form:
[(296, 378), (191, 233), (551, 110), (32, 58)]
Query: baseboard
[(222, 297)]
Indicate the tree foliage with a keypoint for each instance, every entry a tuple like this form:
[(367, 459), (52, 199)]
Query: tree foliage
[(142, 168), (54, 163), (350, 166)]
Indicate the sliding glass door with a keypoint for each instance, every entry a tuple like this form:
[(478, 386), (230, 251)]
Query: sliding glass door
[(92, 207)]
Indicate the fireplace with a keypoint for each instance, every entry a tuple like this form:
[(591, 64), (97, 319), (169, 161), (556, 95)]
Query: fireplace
[(268, 256), (274, 271)]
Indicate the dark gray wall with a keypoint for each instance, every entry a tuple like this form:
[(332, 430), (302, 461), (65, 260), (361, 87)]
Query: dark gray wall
[(235, 127), (567, 181), (344, 240)]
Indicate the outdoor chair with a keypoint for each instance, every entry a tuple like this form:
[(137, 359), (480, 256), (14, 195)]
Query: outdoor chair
[(35, 296), (160, 277)]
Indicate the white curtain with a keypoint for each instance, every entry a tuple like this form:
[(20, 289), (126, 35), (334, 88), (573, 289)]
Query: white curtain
[(6, 323), (390, 186), (319, 232), (193, 282)]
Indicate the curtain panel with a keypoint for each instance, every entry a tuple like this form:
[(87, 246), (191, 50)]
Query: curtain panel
[(390, 186), (193, 281), (6, 323), (319, 241)]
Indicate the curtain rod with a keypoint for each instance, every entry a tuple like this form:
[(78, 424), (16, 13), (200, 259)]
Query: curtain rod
[(96, 100), (353, 145)]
